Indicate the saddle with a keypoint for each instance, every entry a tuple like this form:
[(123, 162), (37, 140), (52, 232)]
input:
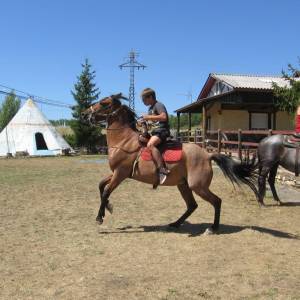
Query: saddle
[(171, 152)]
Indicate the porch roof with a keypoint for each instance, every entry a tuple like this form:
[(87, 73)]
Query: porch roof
[(196, 106)]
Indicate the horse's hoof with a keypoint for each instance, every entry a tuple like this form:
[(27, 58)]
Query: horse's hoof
[(110, 208), (261, 205), (99, 220), (209, 231), (279, 203), (174, 225)]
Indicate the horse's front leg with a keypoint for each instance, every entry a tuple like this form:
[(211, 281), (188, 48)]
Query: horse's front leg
[(106, 187), (102, 185)]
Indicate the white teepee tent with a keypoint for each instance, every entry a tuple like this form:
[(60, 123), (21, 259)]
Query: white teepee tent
[(29, 131)]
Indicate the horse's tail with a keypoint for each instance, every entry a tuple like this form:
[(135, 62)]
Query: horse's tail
[(238, 171)]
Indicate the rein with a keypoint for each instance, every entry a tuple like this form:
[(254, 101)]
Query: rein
[(126, 151), (123, 127)]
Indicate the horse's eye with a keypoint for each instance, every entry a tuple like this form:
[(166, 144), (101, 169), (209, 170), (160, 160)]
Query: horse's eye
[(105, 105)]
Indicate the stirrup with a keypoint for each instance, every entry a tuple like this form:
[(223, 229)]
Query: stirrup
[(164, 171)]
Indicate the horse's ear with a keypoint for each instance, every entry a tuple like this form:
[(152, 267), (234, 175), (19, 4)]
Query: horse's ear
[(115, 99), (123, 97), (119, 96)]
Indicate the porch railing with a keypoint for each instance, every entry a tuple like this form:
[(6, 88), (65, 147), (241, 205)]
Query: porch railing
[(242, 143)]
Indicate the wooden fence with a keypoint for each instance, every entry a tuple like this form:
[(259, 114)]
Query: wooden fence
[(240, 142)]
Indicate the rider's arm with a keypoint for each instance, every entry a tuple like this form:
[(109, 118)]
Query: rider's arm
[(160, 114), (162, 117), (298, 110)]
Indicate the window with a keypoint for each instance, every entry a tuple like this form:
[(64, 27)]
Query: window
[(259, 121), (40, 142), (219, 88)]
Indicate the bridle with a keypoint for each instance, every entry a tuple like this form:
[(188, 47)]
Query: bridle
[(107, 116)]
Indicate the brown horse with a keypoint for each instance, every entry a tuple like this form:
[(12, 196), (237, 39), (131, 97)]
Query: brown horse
[(193, 173)]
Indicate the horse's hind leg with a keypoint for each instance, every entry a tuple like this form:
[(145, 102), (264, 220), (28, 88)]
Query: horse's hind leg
[(189, 199), (271, 181), (215, 201), (263, 173)]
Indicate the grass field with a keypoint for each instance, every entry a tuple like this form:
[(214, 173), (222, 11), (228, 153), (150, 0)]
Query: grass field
[(52, 248)]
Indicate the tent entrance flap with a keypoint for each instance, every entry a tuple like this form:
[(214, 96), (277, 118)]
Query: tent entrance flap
[(40, 142)]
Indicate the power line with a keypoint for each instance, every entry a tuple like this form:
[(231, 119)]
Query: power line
[(188, 95), (132, 64), (36, 98)]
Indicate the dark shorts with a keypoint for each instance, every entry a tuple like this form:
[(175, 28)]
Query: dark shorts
[(162, 133)]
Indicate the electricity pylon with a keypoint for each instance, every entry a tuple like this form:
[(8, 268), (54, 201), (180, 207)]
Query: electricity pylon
[(132, 64)]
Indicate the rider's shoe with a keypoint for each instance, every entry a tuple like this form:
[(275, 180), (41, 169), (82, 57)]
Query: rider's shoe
[(163, 172), (297, 135)]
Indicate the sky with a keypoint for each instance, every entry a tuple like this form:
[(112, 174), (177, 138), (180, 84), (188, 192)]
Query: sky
[(43, 43)]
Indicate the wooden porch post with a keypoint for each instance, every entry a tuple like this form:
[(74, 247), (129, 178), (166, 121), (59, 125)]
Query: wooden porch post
[(190, 121), (204, 125), (240, 144), (190, 126), (219, 140), (274, 120), (178, 125)]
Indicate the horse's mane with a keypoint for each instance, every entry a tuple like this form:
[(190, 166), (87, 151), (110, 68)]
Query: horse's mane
[(131, 117)]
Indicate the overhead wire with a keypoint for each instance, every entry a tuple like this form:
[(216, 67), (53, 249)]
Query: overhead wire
[(36, 98)]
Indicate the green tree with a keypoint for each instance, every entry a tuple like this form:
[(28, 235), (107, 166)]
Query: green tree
[(8, 109), (184, 121), (288, 98), (70, 139), (85, 93)]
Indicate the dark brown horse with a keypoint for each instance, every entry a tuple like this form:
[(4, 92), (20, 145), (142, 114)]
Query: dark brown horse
[(193, 173), (271, 154)]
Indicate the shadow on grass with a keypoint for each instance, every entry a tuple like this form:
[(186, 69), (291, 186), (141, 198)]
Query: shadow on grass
[(198, 229)]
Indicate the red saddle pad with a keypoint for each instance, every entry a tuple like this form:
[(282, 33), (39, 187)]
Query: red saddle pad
[(169, 155)]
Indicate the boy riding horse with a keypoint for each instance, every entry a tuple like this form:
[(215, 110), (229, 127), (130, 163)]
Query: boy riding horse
[(157, 113)]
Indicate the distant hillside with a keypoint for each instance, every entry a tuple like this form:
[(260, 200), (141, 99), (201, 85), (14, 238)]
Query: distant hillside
[(64, 130)]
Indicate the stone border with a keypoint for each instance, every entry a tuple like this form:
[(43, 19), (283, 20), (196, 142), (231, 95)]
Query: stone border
[(285, 177)]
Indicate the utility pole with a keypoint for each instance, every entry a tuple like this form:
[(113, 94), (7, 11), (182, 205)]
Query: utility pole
[(132, 64)]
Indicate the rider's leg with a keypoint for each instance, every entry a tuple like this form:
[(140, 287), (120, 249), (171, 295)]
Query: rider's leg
[(158, 160)]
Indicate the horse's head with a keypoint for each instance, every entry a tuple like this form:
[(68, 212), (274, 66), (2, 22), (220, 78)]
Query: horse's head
[(103, 109)]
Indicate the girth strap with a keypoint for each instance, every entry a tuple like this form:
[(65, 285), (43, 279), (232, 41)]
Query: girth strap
[(136, 161)]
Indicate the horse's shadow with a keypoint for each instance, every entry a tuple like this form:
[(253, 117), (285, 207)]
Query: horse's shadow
[(283, 204), (197, 229)]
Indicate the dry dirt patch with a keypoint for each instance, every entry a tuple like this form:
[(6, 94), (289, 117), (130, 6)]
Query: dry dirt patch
[(52, 248)]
